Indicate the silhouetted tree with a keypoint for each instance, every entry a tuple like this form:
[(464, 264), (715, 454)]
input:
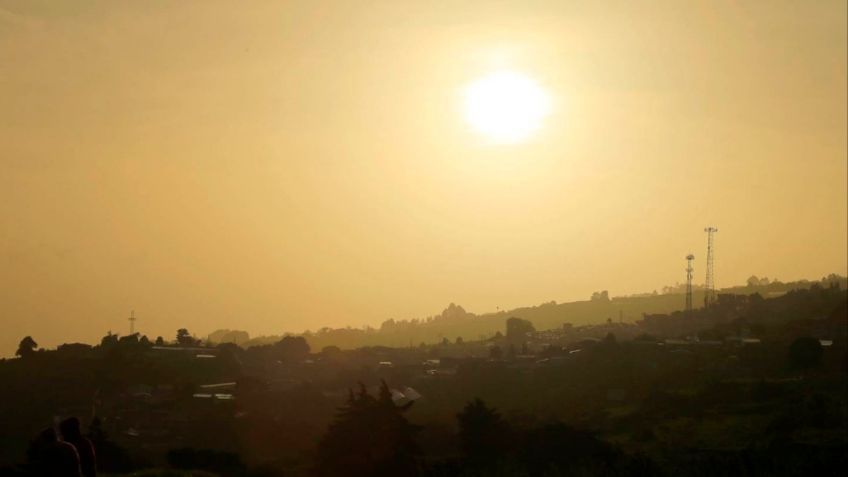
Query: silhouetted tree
[(26, 347), (129, 340), (160, 341), (459, 340), (291, 348), (109, 340), (483, 434), (602, 296), (369, 437), (330, 350), (184, 338), (517, 329)]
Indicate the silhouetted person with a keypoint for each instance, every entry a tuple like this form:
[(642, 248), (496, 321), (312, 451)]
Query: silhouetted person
[(50, 457), (71, 434)]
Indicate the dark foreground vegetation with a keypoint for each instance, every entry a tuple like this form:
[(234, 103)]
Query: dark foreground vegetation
[(748, 386)]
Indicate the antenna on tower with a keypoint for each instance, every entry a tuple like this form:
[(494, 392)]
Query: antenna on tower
[(689, 271), (132, 322), (710, 296)]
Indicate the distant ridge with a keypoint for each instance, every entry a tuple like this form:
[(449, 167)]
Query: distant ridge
[(455, 322)]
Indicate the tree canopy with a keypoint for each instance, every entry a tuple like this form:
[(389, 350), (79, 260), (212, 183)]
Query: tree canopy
[(483, 434), (517, 329), (26, 347), (370, 436)]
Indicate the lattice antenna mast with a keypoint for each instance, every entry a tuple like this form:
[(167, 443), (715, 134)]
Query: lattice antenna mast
[(132, 322), (689, 271), (710, 296)]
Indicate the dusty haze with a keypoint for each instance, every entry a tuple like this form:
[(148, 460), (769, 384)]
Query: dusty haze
[(278, 166)]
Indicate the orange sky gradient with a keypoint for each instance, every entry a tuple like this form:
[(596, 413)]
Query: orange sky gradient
[(281, 166)]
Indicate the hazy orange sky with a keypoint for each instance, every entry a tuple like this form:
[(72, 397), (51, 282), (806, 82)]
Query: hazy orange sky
[(277, 166)]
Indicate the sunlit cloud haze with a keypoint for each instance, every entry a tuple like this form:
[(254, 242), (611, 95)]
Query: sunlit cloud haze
[(281, 166)]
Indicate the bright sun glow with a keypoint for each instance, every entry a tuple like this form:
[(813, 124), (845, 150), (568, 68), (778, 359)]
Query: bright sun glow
[(505, 106)]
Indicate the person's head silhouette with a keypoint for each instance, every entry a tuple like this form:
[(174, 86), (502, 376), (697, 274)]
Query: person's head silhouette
[(70, 429)]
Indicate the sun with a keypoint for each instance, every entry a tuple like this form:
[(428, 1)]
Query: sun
[(505, 106)]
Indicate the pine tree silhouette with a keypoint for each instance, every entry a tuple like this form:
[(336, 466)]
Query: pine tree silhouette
[(369, 437)]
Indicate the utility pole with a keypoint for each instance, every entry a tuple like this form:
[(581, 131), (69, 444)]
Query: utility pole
[(132, 322)]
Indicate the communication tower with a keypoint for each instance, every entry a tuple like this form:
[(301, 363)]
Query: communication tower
[(709, 285), (689, 271)]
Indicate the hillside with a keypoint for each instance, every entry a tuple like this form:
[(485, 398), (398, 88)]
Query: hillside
[(455, 322)]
